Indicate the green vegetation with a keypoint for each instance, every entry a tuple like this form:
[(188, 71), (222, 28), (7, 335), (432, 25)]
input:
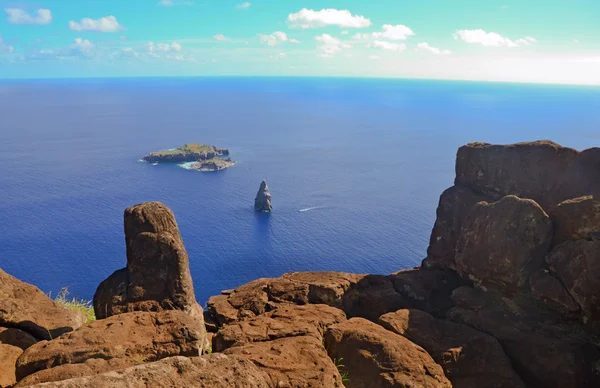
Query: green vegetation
[(76, 304), (342, 369), (185, 149)]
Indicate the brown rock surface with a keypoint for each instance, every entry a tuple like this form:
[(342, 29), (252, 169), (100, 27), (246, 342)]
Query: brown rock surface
[(8, 358), (157, 276), (26, 307), (375, 357), (121, 340), (214, 371), (576, 219), (292, 362), (470, 358), (325, 287), (453, 207), (286, 321), (551, 290), (371, 297), (16, 337), (581, 178), (504, 242), (577, 265), (527, 170)]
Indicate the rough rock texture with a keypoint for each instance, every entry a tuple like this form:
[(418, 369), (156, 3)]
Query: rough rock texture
[(286, 321), (527, 170), (544, 351), (375, 357), (16, 337), (116, 342), (470, 358), (581, 178), (8, 358), (577, 265), (504, 242), (262, 202), (453, 207), (157, 276), (26, 307), (214, 371), (371, 297), (576, 219), (548, 288), (292, 362)]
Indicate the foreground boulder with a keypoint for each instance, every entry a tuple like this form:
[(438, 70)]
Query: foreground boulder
[(26, 307), (504, 242), (576, 219), (292, 362), (157, 276), (374, 357), (214, 371), (470, 358), (12, 344), (114, 343)]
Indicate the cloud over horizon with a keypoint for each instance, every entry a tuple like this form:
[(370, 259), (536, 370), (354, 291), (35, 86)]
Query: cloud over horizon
[(19, 16), (308, 18)]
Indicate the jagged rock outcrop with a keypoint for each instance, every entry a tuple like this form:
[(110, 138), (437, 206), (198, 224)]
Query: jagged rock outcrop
[(157, 276), (576, 219), (26, 307), (375, 357), (262, 202), (503, 243), (123, 340), (213, 371), (470, 358)]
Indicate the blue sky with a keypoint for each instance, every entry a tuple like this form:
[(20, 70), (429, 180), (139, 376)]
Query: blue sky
[(550, 41)]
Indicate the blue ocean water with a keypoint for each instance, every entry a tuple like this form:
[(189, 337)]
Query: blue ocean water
[(355, 167)]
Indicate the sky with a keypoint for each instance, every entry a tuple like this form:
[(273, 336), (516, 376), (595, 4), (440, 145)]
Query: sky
[(540, 41)]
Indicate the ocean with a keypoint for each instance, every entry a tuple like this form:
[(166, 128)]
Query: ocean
[(355, 168)]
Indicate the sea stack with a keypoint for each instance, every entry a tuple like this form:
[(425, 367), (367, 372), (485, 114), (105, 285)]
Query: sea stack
[(262, 202)]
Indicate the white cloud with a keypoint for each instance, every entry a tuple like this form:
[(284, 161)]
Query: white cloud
[(18, 16), (273, 39), (492, 39), (294, 41), (587, 60), (221, 38), (165, 3), (245, 5), (82, 47), (384, 45), (329, 46), (425, 46), (398, 32), (152, 47), (308, 18), (5, 47), (278, 56), (374, 57), (105, 24), (575, 41), (344, 32)]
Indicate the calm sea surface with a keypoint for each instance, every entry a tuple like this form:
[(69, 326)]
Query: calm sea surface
[(365, 159)]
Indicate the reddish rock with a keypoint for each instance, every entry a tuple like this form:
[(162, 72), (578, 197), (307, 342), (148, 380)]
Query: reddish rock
[(375, 357), (577, 265), (214, 371), (503, 243), (286, 321), (371, 297), (292, 362), (325, 287), (8, 358), (549, 289), (157, 276), (455, 203), (576, 219), (470, 358), (26, 307), (527, 170), (119, 341)]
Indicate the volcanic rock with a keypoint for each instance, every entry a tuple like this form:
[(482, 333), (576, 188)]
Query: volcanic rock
[(262, 202)]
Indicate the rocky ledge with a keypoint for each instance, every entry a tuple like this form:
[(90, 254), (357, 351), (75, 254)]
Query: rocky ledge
[(507, 297), (191, 153), (214, 164)]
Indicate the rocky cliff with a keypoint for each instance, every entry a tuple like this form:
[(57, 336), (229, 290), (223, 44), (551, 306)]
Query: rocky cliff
[(508, 296)]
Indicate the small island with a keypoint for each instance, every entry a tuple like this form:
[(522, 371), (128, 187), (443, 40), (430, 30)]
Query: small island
[(201, 157)]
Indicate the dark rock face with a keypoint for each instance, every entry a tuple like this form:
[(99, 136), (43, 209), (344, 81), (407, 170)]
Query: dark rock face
[(262, 202), (214, 371), (157, 276), (576, 219), (504, 242), (375, 357), (26, 307), (469, 357), (113, 343), (548, 288), (577, 265)]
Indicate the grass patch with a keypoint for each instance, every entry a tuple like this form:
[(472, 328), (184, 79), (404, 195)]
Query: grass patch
[(76, 304), (343, 372)]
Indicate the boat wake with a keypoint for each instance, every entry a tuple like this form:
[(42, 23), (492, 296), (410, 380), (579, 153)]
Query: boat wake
[(311, 208)]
